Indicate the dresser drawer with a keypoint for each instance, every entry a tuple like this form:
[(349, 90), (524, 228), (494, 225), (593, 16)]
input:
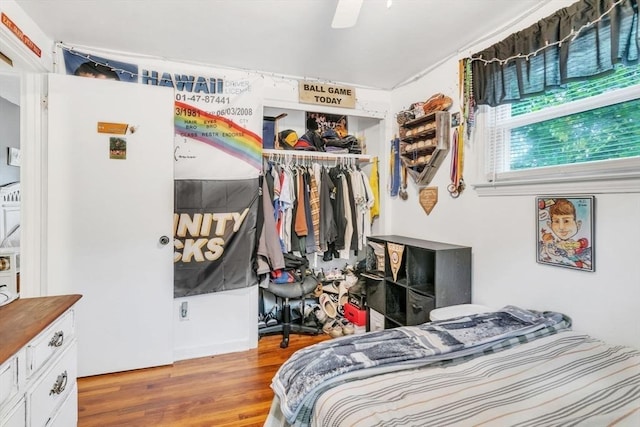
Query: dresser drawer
[(67, 415), (53, 387), (16, 417), (9, 384), (53, 340)]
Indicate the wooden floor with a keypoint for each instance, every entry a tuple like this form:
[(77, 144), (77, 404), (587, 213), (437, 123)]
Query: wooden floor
[(225, 390)]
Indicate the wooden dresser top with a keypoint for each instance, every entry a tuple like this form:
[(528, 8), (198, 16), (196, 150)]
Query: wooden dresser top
[(23, 319)]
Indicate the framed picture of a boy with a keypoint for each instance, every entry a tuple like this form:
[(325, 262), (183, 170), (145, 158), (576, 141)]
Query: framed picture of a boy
[(565, 231)]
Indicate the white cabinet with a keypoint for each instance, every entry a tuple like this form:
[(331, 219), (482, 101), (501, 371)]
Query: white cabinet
[(38, 381)]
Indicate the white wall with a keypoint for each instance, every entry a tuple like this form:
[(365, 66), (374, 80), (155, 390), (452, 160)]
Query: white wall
[(9, 137), (501, 231)]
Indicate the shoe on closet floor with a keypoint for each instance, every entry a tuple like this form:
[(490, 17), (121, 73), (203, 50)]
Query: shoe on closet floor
[(333, 328), (334, 274), (328, 306), (316, 311), (271, 318), (348, 328), (351, 279), (343, 293), (331, 288)]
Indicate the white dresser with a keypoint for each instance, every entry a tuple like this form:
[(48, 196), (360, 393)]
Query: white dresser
[(38, 362)]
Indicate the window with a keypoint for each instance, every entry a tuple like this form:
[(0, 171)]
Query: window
[(582, 123), (567, 111)]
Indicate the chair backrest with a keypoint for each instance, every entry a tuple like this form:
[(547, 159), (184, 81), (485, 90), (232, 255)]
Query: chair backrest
[(297, 266), (292, 261)]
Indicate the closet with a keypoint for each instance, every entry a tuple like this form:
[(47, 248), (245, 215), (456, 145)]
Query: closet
[(334, 188), (317, 207), (366, 126)]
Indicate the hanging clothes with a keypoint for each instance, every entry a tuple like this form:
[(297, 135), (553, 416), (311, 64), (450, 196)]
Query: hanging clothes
[(300, 218), (310, 246), (394, 182), (299, 222), (339, 206), (374, 183), (287, 200), (269, 251), (314, 202), (320, 209), (364, 199), (350, 243), (328, 224), (348, 220)]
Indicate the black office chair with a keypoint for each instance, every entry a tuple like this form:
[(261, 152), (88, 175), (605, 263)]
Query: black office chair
[(286, 291)]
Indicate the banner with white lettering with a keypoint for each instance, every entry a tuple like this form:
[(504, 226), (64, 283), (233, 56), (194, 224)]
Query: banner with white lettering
[(215, 233)]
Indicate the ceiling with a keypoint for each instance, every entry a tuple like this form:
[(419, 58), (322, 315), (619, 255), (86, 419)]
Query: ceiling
[(386, 47)]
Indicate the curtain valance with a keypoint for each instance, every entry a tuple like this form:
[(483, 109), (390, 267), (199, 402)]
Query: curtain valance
[(580, 41)]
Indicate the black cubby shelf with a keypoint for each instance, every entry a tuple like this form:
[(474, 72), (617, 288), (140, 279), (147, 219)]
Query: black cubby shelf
[(431, 275)]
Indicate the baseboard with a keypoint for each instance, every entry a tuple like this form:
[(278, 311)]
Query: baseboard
[(215, 349)]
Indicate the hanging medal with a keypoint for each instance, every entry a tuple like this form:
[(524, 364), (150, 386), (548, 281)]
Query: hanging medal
[(457, 155)]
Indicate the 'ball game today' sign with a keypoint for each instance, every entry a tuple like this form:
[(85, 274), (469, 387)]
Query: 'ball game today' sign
[(324, 94)]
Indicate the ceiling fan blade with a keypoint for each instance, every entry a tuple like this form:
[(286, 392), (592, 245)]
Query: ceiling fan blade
[(346, 14)]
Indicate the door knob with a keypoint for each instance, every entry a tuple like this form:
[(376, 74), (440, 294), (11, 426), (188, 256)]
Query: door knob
[(164, 240)]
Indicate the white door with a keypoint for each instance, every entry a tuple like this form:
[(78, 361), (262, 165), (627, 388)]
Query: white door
[(105, 217)]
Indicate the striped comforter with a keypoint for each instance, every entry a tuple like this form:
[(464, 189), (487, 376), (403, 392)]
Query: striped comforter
[(566, 379), (556, 377)]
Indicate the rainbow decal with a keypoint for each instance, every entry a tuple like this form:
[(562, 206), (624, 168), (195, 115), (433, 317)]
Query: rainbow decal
[(218, 132)]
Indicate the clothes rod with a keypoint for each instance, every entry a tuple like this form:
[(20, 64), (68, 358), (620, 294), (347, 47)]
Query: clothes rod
[(318, 155)]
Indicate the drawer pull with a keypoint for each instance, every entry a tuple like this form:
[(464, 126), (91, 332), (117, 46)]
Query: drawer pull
[(416, 308), (57, 339), (60, 384)]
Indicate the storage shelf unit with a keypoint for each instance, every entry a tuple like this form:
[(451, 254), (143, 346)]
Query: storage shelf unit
[(430, 275), (424, 145)]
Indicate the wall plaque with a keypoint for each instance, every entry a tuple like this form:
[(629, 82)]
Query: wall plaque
[(428, 198), (324, 94)]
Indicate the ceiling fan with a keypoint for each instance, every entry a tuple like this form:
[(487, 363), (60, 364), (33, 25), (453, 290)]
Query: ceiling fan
[(346, 14)]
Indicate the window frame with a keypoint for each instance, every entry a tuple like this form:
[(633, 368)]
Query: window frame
[(605, 176)]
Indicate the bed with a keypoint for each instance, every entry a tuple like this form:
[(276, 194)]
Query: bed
[(511, 367)]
